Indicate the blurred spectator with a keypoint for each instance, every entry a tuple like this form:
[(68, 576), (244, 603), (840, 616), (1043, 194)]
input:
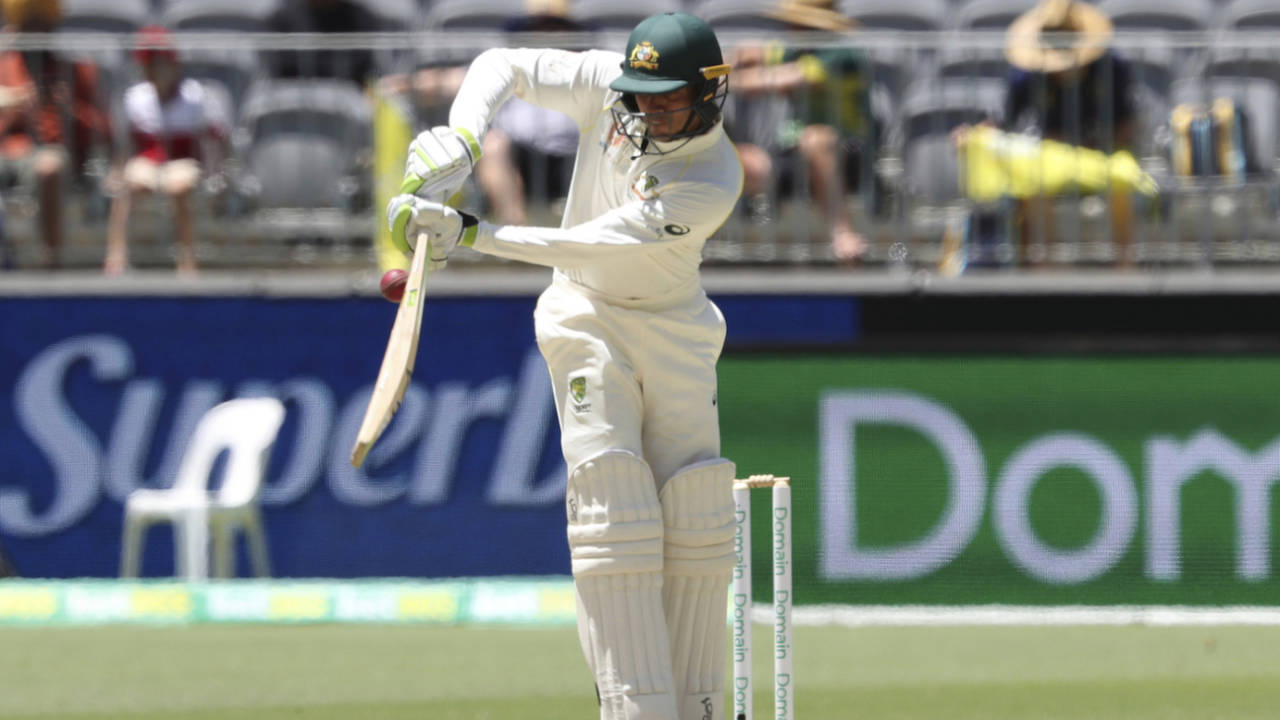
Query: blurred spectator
[(529, 146), (526, 146), (1075, 90), (825, 119), (172, 121), (51, 115), (1066, 85), (322, 16)]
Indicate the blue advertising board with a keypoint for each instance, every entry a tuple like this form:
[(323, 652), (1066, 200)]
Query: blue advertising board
[(98, 396)]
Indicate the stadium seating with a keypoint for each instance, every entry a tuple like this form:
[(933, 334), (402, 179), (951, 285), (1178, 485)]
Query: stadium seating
[(114, 17), (396, 15), (1179, 16), (619, 15), (901, 15), (110, 16), (1251, 15), (988, 15), (218, 15), (307, 139), (972, 61), (460, 15), (231, 68), (736, 16), (307, 165), (930, 112)]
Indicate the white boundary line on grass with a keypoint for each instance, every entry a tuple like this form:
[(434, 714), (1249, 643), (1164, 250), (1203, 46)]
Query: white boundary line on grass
[(1013, 615)]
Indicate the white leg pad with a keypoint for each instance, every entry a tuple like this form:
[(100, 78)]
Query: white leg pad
[(697, 513), (615, 543)]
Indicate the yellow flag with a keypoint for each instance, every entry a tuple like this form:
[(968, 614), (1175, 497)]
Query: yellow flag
[(392, 133)]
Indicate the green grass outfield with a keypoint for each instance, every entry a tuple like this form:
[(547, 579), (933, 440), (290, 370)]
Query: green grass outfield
[(443, 673)]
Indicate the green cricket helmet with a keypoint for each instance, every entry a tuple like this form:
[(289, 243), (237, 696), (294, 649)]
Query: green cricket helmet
[(667, 52)]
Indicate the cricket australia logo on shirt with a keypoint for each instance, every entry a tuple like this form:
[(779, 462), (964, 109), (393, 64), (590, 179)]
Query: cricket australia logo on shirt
[(578, 394), (644, 185), (644, 56)]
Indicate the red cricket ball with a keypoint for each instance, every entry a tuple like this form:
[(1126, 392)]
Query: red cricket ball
[(393, 283)]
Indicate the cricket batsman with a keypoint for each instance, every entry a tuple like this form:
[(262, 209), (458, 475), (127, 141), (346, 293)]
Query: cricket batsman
[(629, 336)]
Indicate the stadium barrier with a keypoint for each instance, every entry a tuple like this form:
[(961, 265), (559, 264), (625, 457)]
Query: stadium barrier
[(945, 448), (528, 602), (522, 601)]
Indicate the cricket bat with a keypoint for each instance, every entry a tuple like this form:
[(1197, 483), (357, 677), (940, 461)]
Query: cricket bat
[(397, 362)]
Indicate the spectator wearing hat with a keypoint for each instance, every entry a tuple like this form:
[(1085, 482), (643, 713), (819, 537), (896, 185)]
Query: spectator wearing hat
[(172, 121), (826, 118), (51, 116), (1067, 85)]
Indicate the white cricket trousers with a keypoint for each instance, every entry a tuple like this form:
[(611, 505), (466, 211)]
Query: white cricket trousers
[(639, 377)]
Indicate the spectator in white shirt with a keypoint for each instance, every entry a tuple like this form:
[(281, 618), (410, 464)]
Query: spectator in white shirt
[(173, 122)]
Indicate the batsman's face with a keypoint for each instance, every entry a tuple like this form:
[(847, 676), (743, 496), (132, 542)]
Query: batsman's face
[(668, 113)]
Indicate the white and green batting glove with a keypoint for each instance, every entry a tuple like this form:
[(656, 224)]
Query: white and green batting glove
[(440, 159), (409, 216)]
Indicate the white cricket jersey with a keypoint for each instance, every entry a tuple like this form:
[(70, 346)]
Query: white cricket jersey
[(634, 225), (171, 129)]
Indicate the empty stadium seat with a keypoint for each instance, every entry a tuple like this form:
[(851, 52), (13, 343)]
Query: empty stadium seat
[(619, 15), (738, 15), (930, 111), (219, 15), (473, 14), (119, 18), (973, 61), (902, 15), (305, 137), (1179, 16), (112, 16), (231, 67), (988, 15), (1251, 15), (395, 15)]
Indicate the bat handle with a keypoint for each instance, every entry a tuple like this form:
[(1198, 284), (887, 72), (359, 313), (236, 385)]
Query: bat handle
[(425, 237)]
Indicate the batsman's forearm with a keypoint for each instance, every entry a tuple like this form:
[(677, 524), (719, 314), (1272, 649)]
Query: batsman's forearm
[(488, 83), (556, 247)]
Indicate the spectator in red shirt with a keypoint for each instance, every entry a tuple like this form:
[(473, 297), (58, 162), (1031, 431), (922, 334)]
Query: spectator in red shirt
[(50, 114), (172, 120)]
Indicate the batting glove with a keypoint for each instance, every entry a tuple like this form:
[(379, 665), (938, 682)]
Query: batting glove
[(440, 159), (410, 217)]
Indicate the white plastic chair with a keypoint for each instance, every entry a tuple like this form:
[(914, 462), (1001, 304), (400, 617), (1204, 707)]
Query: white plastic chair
[(246, 427)]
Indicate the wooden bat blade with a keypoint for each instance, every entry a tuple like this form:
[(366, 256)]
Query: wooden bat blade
[(397, 362)]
